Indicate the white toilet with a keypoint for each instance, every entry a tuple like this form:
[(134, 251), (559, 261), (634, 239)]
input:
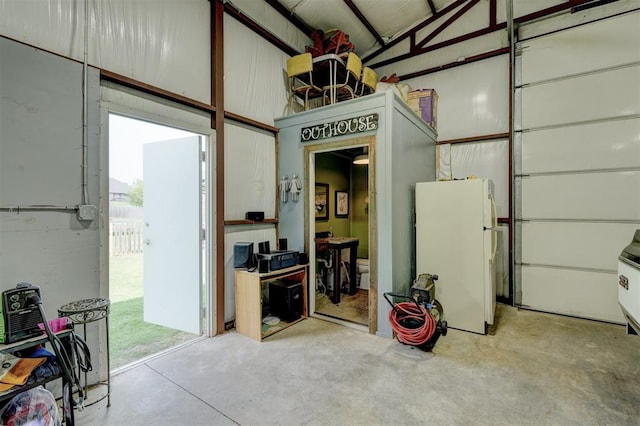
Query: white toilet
[(362, 273)]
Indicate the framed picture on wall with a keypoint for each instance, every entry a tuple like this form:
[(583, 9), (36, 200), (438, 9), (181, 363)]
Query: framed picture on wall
[(342, 204), (322, 201)]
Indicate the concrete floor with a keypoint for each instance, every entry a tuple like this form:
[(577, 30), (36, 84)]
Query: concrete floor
[(532, 369)]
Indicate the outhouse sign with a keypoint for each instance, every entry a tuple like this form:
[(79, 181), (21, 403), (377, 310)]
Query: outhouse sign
[(349, 126)]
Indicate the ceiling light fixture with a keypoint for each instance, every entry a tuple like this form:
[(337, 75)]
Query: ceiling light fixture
[(361, 159)]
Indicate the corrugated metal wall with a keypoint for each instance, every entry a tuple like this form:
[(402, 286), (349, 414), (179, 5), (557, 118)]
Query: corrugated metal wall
[(578, 165)]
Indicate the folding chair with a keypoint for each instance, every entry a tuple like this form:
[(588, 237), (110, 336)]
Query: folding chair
[(300, 74), (349, 82), (368, 83)]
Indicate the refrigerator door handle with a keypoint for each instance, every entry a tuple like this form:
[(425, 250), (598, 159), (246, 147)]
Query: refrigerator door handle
[(495, 244), (494, 231), (495, 212)]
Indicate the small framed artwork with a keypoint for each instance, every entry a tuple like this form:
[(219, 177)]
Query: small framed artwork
[(342, 204), (322, 201)]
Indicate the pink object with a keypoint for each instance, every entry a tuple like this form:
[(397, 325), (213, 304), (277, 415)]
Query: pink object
[(56, 324)]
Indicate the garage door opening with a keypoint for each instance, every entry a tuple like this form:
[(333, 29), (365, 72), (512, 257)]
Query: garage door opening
[(156, 245)]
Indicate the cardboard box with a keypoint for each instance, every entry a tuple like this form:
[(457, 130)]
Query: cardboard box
[(424, 102)]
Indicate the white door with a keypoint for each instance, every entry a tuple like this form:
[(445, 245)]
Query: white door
[(172, 229), (578, 173)]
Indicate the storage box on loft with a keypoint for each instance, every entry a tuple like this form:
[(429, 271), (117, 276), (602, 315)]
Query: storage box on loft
[(424, 102)]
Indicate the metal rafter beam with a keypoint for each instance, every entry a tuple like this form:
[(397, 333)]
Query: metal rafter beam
[(364, 21), (550, 11), (291, 17), (578, 8), (445, 24), (432, 7), (492, 12), (217, 122), (415, 29), (467, 60), (440, 45), (154, 90), (258, 29), (568, 5)]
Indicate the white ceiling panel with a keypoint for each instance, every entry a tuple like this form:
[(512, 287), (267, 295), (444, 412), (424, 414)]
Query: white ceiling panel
[(269, 18), (388, 18), (393, 18), (330, 14), (476, 18)]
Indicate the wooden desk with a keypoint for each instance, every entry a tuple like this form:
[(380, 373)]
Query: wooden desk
[(249, 300), (67, 401), (337, 244)]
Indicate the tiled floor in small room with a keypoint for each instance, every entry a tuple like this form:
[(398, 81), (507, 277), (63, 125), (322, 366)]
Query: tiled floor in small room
[(353, 308), (531, 369)]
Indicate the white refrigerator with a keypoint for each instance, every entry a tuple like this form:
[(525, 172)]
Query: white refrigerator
[(456, 239)]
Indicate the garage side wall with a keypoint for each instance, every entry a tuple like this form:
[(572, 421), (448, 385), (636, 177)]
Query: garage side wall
[(41, 168)]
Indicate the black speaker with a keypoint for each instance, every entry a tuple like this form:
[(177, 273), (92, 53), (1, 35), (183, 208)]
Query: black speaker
[(243, 255), (282, 244), (303, 258), (285, 300), (255, 216), (263, 247), (263, 265)]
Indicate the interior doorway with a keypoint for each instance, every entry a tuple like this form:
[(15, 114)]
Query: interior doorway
[(157, 211), (339, 233)]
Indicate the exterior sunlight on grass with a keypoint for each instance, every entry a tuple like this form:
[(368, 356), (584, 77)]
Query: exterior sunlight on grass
[(130, 337)]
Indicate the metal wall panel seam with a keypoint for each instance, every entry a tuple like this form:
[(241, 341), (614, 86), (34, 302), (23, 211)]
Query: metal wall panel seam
[(580, 171), (571, 220), (580, 74), (580, 123), (569, 268)]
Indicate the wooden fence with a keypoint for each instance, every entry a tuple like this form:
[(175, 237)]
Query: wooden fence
[(125, 237)]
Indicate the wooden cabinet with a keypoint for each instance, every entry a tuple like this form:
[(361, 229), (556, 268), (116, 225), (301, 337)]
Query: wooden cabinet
[(253, 304)]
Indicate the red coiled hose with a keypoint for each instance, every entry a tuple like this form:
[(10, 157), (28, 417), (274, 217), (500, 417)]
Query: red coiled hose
[(412, 336)]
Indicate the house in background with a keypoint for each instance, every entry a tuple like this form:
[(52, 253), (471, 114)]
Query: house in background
[(118, 191)]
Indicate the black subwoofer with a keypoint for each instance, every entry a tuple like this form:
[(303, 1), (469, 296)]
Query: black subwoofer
[(285, 300)]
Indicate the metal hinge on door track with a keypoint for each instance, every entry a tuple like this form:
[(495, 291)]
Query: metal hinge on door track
[(203, 156), (203, 234)]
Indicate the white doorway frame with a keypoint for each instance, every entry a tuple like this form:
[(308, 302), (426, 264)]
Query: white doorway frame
[(310, 160), (208, 327)]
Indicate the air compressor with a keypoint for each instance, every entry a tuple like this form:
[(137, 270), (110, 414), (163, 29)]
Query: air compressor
[(418, 320)]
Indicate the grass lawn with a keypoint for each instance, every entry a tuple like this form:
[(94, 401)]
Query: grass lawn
[(130, 337), (125, 277), (133, 339)]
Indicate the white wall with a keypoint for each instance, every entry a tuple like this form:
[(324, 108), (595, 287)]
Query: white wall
[(255, 74), (164, 43), (255, 87), (40, 164)]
